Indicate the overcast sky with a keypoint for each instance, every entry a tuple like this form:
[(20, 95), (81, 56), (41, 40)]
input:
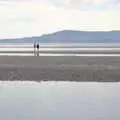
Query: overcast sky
[(20, 18)]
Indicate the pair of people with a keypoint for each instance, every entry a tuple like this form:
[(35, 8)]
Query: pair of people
[(36, 49)]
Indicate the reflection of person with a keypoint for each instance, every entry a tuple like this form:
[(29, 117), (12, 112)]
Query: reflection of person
[(37, 49)]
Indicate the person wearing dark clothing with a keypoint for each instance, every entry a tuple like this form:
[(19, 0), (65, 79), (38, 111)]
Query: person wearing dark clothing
[(37, 49), (37, 46), (34, 48)]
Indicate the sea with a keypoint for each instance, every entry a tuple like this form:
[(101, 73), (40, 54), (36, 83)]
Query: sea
[(61, 49), (21, 100)]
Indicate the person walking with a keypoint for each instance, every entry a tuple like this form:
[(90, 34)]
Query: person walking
[(35, 48), (38, 49)]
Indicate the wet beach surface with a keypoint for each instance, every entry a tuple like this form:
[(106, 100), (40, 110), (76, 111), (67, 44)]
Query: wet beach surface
[(60, 68)]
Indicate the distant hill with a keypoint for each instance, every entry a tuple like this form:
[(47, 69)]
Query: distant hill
[(70, 36)]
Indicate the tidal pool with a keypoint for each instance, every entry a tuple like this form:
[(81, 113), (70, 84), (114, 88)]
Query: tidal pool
[(59, 101)]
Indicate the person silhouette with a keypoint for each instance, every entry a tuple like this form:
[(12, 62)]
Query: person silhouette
[(38, 49), (35, 48)]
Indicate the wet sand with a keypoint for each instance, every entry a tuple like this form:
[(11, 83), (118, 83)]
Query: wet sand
[(62, 68), (64, 52)]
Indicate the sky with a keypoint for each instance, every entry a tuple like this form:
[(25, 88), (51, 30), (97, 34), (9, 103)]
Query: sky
[(25, 18)]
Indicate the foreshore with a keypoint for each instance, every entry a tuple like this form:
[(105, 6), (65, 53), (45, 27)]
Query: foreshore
[(62, 68)]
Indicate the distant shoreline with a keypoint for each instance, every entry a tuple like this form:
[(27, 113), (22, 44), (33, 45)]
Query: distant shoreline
[(70, 36)]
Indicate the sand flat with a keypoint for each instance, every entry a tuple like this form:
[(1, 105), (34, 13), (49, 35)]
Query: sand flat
[(62, 68)]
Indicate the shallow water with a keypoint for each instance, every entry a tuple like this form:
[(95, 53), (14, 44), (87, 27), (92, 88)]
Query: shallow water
[(61, 50), (50, 54), (59, 101), (6, 49)]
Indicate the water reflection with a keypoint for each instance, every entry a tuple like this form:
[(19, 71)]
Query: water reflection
[(59, 101)]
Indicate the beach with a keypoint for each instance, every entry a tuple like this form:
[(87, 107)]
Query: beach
[(60, 68), (60, 62)]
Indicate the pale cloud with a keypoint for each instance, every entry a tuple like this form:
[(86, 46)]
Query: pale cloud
[(87, 4), (22, 18), (76, 4)]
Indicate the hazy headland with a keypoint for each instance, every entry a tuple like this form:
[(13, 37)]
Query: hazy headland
[(70, 36)]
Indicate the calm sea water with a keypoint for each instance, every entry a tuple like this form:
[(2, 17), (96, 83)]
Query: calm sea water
[(59, 101), (60, 49)]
